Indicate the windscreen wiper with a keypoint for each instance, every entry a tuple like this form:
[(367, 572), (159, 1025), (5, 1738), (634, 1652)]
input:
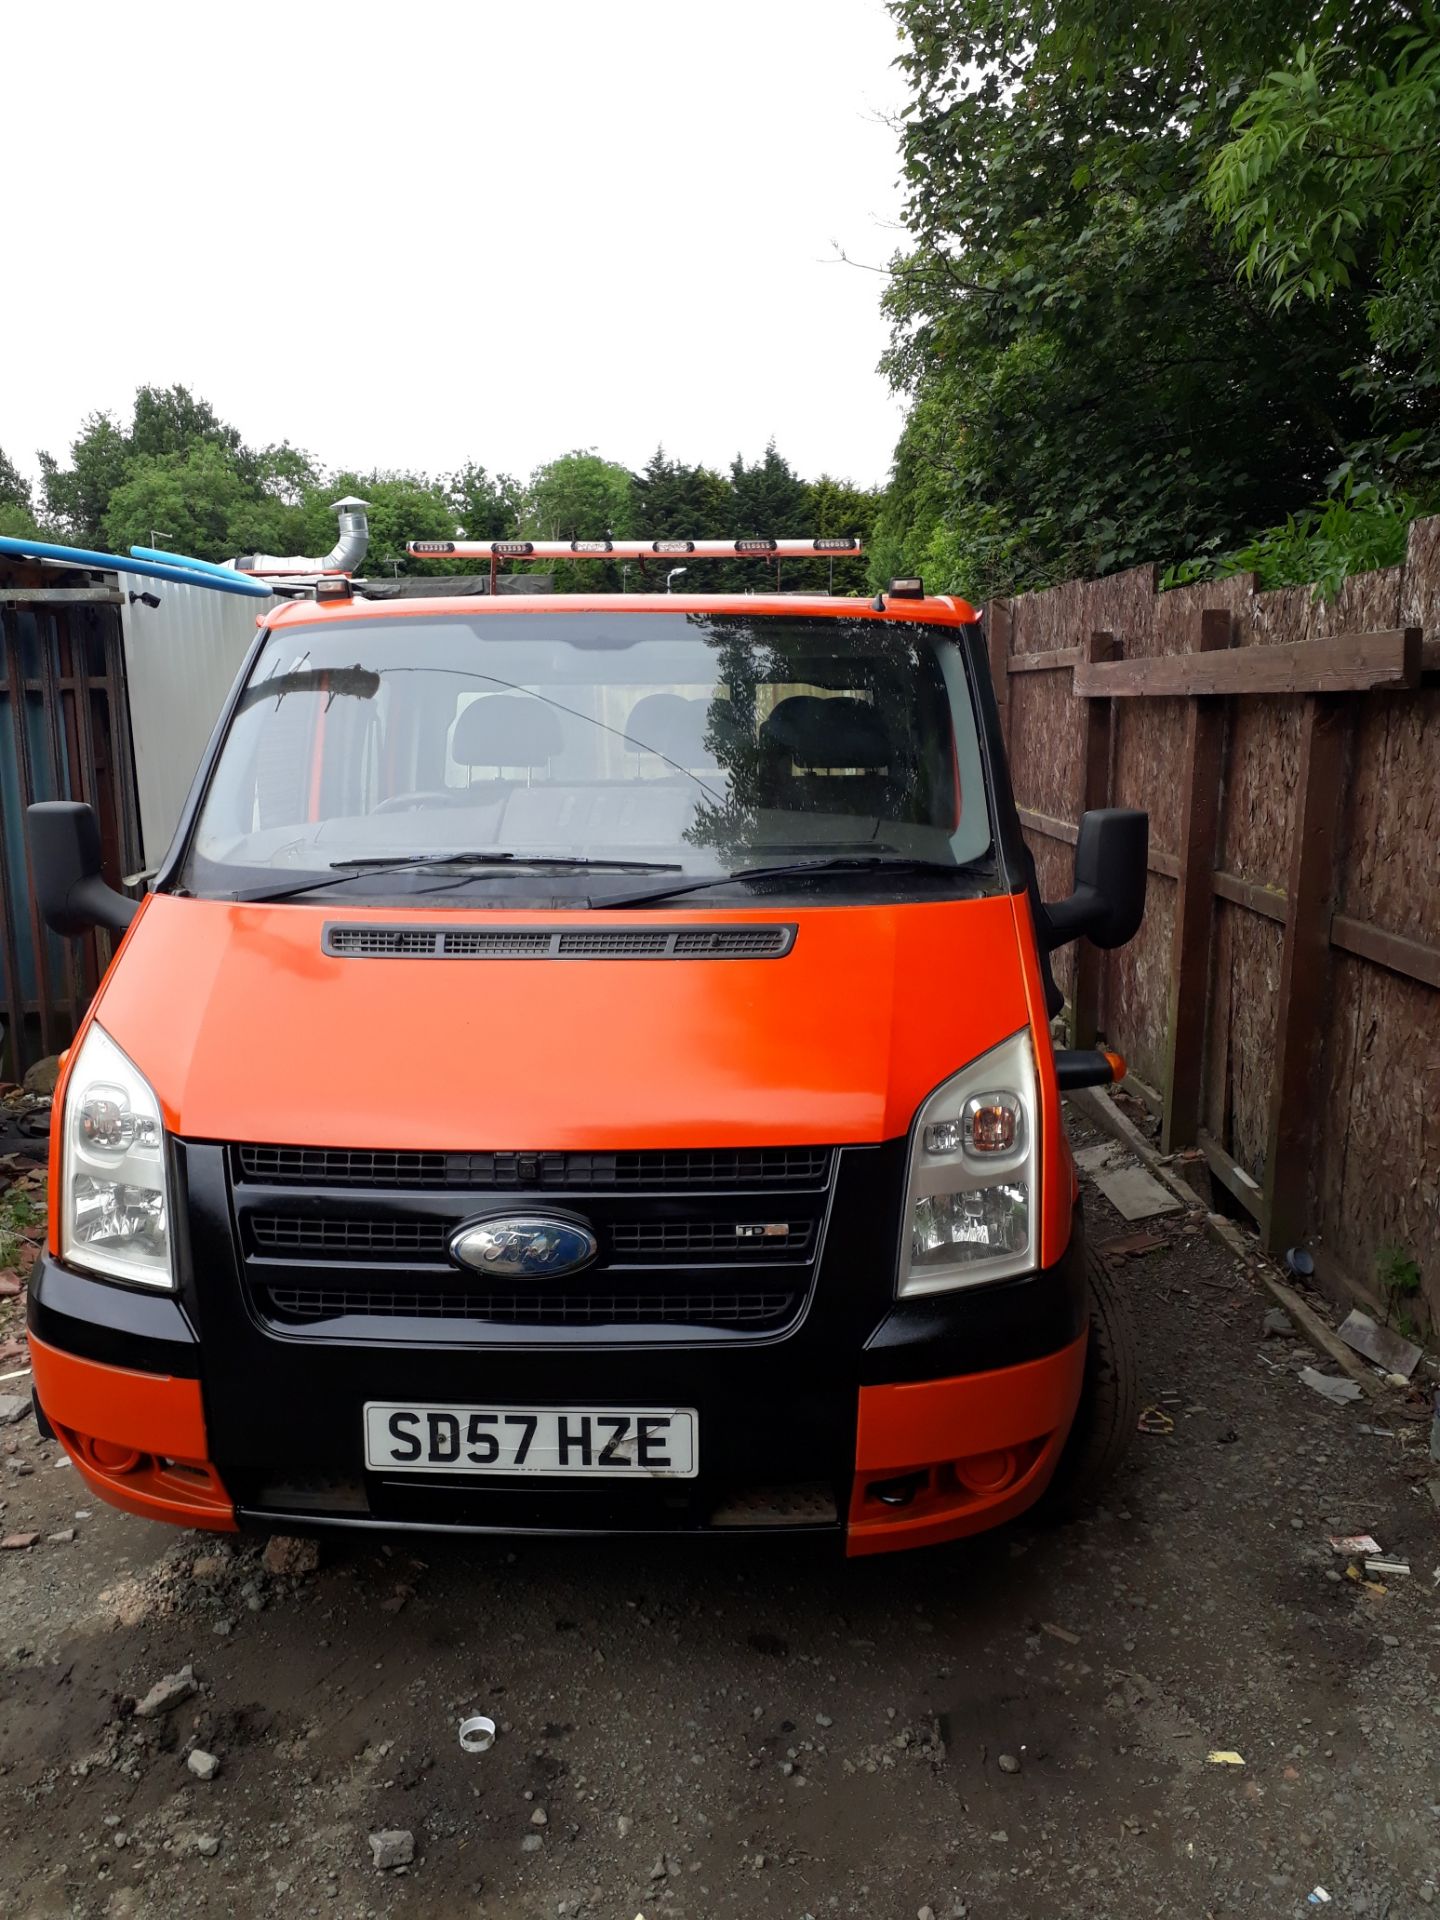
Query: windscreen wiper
[(795, 869), (503, 858)]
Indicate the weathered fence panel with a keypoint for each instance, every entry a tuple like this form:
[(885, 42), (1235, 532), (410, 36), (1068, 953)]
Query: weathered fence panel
[(1281, 1004), (64, 735)]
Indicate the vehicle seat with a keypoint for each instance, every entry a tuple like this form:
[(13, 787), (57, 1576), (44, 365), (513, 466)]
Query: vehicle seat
[(827, 756), (506, 732), (674, 729)]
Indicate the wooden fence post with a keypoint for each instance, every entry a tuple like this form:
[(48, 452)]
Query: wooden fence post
[(1194, 901), (1094, 792), (1304, 969)]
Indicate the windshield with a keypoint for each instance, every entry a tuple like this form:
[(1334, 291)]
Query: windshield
[(700, 743)]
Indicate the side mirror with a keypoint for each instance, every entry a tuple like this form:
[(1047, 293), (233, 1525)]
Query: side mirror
[(1111, 870), (72, 895)]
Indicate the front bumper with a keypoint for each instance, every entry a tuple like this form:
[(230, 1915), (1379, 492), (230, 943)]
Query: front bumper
[(945, 1416)]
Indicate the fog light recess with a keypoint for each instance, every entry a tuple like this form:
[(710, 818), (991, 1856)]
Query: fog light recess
[(983, 1473), (109, 1456)]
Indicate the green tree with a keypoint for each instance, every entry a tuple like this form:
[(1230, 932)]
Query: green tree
[(172, 420), (836, 507), (287, 474), (1330, 186), (168, 426), (1092, 385), (485, 507), (676, 502), (768, 496), (185, 501), (769, 500), (17, 515), (14, 487), (77, 497), (580, 496), (17, 522)]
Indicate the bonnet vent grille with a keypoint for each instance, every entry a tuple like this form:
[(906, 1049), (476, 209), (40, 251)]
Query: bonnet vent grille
[(368, 942)]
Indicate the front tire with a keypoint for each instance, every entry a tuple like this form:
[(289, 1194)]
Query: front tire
[(1109, 1398)]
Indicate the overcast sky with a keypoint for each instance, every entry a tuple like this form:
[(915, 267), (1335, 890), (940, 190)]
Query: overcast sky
[(416, 235)]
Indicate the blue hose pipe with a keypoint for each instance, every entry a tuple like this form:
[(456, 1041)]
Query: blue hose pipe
[(188, 574), (184, 560)]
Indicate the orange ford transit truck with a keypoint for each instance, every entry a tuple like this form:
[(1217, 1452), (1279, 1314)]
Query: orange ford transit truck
[(584, 1065)]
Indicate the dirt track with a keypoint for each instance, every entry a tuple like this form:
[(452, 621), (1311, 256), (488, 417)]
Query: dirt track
[(754, 1728)]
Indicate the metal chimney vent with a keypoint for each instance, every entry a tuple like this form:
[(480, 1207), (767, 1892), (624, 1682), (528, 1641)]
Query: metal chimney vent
[(344, 557), (364, 941)]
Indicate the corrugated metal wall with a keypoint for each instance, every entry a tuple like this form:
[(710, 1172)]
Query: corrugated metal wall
[(181, 658)]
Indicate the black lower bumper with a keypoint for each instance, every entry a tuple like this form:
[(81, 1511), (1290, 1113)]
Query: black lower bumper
[(284, 1415)]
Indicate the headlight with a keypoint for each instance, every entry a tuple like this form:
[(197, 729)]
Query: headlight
[(971, 1209), (116, 1214)]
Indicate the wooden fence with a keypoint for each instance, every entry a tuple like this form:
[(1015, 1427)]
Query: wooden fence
[(64, 735), (1281, 1005)]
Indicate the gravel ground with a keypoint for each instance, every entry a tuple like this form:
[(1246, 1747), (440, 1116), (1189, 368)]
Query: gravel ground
[(1016, 1727)]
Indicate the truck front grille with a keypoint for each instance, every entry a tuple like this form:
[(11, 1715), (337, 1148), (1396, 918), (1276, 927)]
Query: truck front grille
[(725, 1239), (687, 1167), (751, 1311), (348, 1239), (353, 1237)]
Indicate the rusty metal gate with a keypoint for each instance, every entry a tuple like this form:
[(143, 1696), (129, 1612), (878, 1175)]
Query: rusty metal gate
[(64, 735)]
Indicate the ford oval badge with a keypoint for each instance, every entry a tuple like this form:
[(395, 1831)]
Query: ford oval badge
[(524, 1246)]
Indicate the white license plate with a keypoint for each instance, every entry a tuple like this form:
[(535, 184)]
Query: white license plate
[(641, 1443)]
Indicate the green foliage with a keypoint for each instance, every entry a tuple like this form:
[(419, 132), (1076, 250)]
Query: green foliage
[(836, 507), (484, 508), (14, 487), (1397, 1271), (17, 515), (17, 522), (1092, 383), (17, 1211), (171, 420), (580, 496), (178, 476), (286, 474), (77, 497), (19, 1208), (185, 499), (1327, 160), (1357, 530), (1398, 1275), (1331, 183), (675, 502), (766, 497)]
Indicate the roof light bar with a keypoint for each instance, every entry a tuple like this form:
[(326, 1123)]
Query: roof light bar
[(632, 549)]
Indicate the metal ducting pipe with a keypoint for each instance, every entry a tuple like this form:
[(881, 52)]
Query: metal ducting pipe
[(344, 557)]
